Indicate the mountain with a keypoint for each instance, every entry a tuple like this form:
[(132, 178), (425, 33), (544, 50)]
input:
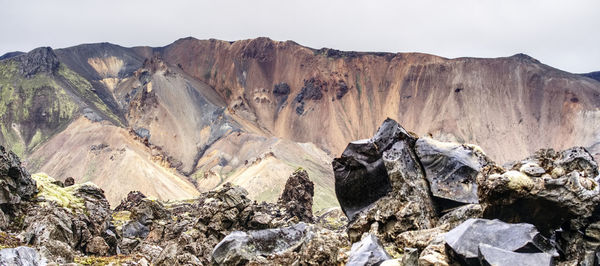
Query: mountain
[(177, 120), (593, 75)]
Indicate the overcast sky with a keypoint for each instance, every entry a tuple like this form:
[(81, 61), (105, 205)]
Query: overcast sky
[(563, 34)]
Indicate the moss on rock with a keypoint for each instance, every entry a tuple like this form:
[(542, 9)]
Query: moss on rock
[(64, 197)]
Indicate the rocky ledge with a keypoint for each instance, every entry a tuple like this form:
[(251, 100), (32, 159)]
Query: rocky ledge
[(404, 200)]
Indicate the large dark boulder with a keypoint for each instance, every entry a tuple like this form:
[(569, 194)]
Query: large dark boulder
[(361, 177), (369, 251), (297, 196), (464, 240), (451, 170), (15, 182)]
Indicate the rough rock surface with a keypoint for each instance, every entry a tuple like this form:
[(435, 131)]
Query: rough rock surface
[(464, 241), (381, 186), (22, 256), (451, 169), (15, 182), (431, 184), (243, 247), (297, 196), (562, 187), (404, 222), (369, 251), (489, 255)]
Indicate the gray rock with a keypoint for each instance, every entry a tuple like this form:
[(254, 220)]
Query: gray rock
[(239, 247), (135, 229), (368, 251), (168, 256), (569, 192), (578, 159), (489, 255), (410, 257), (142, 132), (15, 182), (451, 169), (532, 169), (464, 240), (21, 256)]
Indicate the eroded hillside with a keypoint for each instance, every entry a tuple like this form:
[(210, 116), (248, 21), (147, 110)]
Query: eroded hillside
[(177, 120)]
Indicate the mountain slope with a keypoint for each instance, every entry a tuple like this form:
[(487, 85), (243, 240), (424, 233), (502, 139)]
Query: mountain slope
[(333, 97), (188, 117)]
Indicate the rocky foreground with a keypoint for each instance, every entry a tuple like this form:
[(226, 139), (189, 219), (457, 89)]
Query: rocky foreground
[(404, 201)]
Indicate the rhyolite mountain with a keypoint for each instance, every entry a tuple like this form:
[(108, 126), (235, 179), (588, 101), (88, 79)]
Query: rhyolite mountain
[(177, 120)]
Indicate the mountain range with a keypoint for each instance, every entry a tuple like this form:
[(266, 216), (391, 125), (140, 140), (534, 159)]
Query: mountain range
[(182, 119)]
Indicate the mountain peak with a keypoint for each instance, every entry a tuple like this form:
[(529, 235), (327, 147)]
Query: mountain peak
[(39, 60)]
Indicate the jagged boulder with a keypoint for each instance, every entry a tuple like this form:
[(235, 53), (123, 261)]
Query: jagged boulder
[(240, 247), (361, 177), (379, 182), (464, 240), (451, 170), (562, 187), (15, 182), (297, 196), (369, 251)]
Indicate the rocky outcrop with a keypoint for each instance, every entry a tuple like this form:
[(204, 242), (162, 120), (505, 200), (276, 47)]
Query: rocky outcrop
[(437, 192), (547, 189), (297, 196), (64, 221), (15, 182), (39, 60)]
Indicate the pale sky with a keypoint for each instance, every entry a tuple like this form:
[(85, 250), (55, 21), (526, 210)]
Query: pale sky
[(562, 34)]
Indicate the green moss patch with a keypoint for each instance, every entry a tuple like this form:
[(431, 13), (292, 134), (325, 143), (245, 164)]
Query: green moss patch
[(64, 197)]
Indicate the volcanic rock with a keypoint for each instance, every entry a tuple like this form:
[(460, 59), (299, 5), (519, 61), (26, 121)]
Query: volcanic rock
[(369, 251), (15, 182), (69, 182), (361, 177), (135, 229), (465, 239), (133, 199), (73, 216), (39, 60), (565, 191), (242, 247), (25, 256), (451, 169), (297, 196), (489, 255)]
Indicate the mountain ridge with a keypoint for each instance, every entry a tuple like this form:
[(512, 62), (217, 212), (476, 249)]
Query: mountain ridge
[(187, 101)]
